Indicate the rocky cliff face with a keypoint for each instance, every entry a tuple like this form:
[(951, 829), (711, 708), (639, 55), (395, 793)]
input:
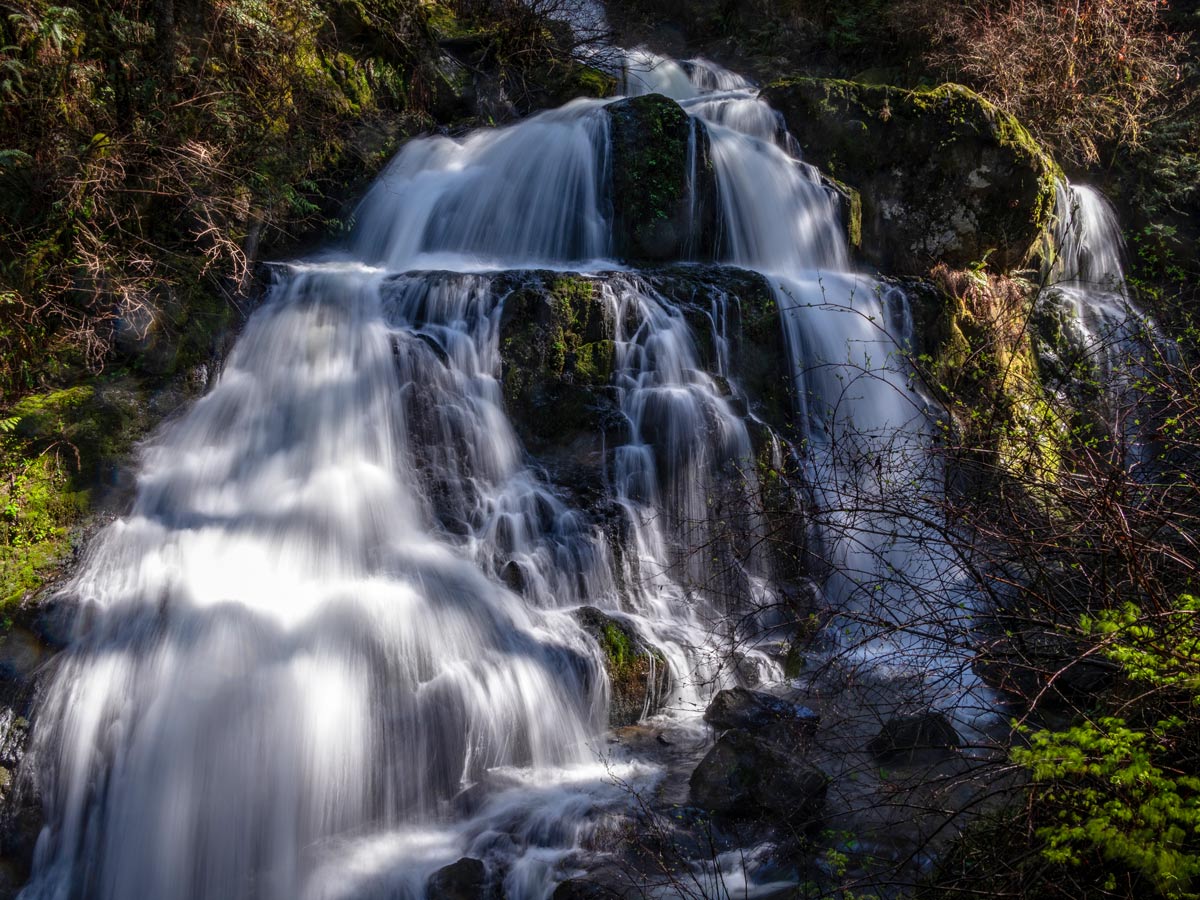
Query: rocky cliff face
[(943, 176)]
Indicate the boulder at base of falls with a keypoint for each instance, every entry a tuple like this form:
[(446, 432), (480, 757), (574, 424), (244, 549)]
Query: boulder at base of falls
[(1031, 663), (462, 880), (580, 889), (637, 673), (654, 217), (942, 175), (775, 720), (745, 776), (924, 738)]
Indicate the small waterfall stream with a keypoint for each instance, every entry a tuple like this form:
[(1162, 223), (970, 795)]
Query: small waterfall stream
[(1103, 339), (305, 668)]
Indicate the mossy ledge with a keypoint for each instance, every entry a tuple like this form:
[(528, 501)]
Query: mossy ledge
[(944, 176)]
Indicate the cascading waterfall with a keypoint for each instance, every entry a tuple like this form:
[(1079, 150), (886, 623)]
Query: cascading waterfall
[(303, 670), (894, 578), (1103, 333)]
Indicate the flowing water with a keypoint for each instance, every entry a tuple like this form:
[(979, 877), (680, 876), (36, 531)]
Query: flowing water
[(305, 667), (1103, 339)]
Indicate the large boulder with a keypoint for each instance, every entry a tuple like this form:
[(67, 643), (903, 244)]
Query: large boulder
[(917, 739), (462, 880), (942, 175), (774, 719), (743, 776), (655, 214), (638, 674)]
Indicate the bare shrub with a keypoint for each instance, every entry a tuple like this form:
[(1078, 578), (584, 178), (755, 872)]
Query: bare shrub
[(1082, 74)]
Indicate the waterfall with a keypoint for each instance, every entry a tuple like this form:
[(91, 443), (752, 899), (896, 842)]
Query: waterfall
[(333, 646), (1097, 334)]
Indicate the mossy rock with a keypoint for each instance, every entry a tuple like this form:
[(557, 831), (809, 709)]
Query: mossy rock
[(551, 85), (555, 345), (638, 674), (64, 453), (557, 357), (651, 136), (943, 175)]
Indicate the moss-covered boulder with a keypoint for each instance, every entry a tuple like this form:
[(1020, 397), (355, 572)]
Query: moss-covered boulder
[(65, 454), (557, 357), (651, 173), (638, 675), (943, 175)]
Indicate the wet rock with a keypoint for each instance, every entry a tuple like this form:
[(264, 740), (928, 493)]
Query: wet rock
[(757, 351), (21, 652), (654, 214), (12, 879), (557, 356), (513, 577), (638, 673), (746, 668), (942, 175), (582, 889), (746, 777), (462, 880), (773, 719), (920, 739), (1050, 667)]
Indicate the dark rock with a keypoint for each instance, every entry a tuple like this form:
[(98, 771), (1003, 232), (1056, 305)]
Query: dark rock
[(557, 356), (21, 653), (462, 880), (12, 878), (638, 673), (943, 176), (746, 777), (746, 669), (771, 718), (581, 889), (758, 354), (513, 577), (654, 216), (1050, 667), (923, 738)]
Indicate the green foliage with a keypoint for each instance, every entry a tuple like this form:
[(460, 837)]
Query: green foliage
[(1161, 651), (1114, 786)]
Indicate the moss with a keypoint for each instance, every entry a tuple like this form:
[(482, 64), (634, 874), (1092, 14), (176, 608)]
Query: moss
[(556, 350), (978, 352), (618, 649), (60, 448), (592, 82), (446, 24), (650, 140), (636, 672), (944, 175), (38, 509), (594, 362), (854, 223)]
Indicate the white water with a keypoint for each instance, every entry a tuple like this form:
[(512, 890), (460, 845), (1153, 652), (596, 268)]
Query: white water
[(299, 673), (1110, 341)]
